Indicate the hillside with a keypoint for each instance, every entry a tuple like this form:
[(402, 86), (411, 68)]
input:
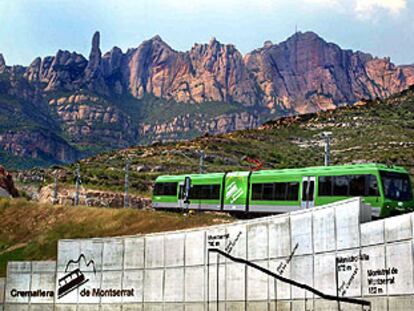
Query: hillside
[(375, 131), (65, 107), (30, 231)]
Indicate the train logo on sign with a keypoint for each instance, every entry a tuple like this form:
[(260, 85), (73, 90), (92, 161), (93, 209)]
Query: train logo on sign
[(74, 278)]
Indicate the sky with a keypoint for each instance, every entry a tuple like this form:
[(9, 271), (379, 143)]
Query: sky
[(32, 28)]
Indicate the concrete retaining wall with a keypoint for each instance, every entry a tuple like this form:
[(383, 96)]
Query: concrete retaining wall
[(176, 270)]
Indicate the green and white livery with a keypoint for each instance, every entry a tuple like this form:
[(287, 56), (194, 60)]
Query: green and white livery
[(386, 188)]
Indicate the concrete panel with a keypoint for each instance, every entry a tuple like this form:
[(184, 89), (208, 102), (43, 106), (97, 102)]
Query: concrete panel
[(216, 238), (174, 285), (235, 280), (194, 307), (173, 306), (91, 307), (2, 289), (349, 272), (111, 280), (195, 248), (324, 230), (44, 282), (281, 267), (372, 233), (15, 283), (347, 224), (113, 253), (399, 260), (324, 269), (212, 283), (257, 305), (257, 283), (134, 253), (301, 232), (153, 307), (398, 228), (372, 280), (43, 266), (303, 305), (153, 285), (154, 251), (302, 272), (279, 306), (67, 249), (174, 250), (65, 307), (401, 303), (111, 307), (279, 237), (92, 250), (93, 283), (195, 281), (235, 306), (132, 307), (236, 244), (133, 279), (70, 298), (378, 303), (258, 248), (19, 267), (12, 307), (44, 307)]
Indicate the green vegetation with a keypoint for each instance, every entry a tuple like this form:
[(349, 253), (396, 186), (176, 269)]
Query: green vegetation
[(30, 231), (378, 131)]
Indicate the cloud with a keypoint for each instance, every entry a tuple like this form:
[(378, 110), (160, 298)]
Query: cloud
[(366, 9)]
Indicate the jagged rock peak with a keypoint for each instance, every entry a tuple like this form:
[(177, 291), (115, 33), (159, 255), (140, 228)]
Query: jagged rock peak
[(2, 63), (267, 43), (95, 41), (94, 57), (157, 38)]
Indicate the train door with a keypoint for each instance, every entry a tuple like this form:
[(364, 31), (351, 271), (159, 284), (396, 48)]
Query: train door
[(308, 192), (181, 195), (184, 189)]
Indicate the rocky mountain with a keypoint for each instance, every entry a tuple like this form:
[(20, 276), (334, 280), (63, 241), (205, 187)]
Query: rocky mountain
[(65, 106)]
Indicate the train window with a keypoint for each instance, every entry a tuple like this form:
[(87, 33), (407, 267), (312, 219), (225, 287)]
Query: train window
[(268, 192), (165, 188), (279, 191), (292, 191), (357, 185), (340, 185), (325, 185), (396, 186), (257, 190), (205, 192), (372, 186)]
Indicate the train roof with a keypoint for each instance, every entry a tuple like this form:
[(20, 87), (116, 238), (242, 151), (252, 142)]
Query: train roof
[(334, 169)]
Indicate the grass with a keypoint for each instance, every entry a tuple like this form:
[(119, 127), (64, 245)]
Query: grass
[(30, 231)]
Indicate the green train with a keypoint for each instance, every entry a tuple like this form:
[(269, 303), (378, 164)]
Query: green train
[(386, 188)]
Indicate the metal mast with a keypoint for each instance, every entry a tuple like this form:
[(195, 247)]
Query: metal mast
[(202, 156), (327, 136), (78, 182), (55, 190), (126, 195)]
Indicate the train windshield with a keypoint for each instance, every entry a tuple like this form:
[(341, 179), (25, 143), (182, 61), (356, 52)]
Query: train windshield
[(396, 186)]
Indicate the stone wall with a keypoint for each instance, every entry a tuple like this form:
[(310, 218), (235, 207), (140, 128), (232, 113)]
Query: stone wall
[(310, 251)]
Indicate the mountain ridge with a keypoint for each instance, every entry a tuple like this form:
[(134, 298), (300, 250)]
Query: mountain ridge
[(116, 99)]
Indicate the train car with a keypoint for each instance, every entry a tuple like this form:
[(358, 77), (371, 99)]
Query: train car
[(386, 188)]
